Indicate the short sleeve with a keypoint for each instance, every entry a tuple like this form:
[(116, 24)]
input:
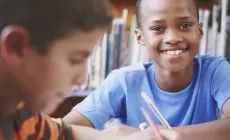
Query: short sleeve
[(105, 102), (50, 129), (30, 125), (221, 83)]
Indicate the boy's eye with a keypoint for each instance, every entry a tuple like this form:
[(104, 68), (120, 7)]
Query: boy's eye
[(185, 25), (157, 29), (76, 61)]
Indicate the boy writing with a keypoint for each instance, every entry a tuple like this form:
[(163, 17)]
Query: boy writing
[(190, 92), (44, 45)]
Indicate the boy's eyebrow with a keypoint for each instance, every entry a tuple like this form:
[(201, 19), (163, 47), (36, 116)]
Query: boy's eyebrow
[(178, 18), (184, 18), (158, 21)]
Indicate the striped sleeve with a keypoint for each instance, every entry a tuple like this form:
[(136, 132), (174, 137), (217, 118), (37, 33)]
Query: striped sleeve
[(49, 129), (39, 126)]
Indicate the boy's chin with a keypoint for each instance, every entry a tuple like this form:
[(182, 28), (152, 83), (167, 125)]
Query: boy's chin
[(175, 68), (47, 107), (51, 108)]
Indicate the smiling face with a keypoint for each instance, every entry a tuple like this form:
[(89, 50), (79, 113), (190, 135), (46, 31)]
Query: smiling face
[(170, 31)]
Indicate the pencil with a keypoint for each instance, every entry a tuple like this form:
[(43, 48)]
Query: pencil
[(155, 110), (151, 123)]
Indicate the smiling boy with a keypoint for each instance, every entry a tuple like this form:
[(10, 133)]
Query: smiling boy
[(190, 92)]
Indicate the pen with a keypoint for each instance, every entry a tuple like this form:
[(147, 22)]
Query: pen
[(155, 110), (151, 123)]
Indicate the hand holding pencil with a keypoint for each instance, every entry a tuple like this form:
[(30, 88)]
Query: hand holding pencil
[(155, 110), (160, 134), (154, 127), (163, 134)]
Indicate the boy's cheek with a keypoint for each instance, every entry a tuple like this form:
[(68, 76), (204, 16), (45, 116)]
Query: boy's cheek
[(153, 52)]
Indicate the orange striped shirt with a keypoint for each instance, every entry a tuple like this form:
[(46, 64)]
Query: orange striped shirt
[(26, 125)]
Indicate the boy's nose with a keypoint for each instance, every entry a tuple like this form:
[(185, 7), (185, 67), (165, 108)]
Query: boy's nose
[(172, 37), (81, 78), (80, 81)]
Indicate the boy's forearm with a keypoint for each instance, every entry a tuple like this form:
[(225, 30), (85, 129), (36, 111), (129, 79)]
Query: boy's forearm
[(83, 133), (216, 130), (77, 132), (86, 133)]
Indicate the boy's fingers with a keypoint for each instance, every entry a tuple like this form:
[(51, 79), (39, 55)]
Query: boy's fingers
[(170, 134), (142, 135), (161, 127)]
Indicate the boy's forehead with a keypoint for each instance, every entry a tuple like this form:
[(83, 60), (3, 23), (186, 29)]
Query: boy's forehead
[(78, 42), (168, 8)]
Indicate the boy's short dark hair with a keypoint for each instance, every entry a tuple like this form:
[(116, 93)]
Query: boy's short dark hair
[(138, 11), (48, 20)]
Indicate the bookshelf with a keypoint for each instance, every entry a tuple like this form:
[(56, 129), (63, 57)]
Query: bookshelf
[(119, 5)]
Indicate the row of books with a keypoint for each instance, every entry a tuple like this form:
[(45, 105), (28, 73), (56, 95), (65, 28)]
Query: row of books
[(119, 48), (215, 23)]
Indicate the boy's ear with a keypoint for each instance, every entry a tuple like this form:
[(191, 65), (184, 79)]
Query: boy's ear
[(13, 40), (201, 32), (139, 37)]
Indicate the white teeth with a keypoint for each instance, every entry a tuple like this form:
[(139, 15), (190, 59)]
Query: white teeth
[(176, 52)]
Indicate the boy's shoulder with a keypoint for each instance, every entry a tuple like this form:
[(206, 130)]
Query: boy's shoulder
[(136, 68), (210, 60), (131, 75)]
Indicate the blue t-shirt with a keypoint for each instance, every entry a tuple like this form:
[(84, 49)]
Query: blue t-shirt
[(119, 96)]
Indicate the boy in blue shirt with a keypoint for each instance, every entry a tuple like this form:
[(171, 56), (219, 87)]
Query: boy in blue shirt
[(187, 90)]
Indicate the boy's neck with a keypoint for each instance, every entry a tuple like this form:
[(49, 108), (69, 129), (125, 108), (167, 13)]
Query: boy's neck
[(7, 106), (173, 81), (9, 98)]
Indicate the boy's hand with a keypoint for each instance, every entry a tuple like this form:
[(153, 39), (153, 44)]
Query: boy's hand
[(170, 134), (86, 133), (122, 129), (146, 134), (131, 133)]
